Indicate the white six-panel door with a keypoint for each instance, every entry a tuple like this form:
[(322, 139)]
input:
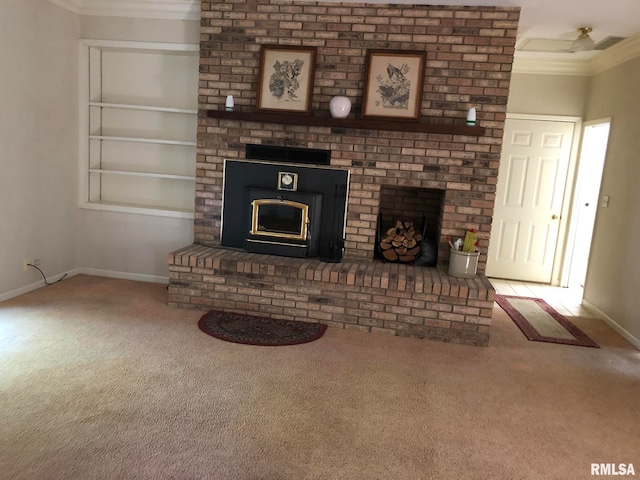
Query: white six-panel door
[(529, 194)]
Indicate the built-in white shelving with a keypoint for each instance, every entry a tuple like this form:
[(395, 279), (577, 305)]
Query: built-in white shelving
[(139, 121)]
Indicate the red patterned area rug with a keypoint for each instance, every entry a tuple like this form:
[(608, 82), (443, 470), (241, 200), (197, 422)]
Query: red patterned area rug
[(250, 330), (541, 323)]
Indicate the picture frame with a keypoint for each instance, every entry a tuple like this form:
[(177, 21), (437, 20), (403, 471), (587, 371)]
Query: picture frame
[(394, 82), (286, 79)]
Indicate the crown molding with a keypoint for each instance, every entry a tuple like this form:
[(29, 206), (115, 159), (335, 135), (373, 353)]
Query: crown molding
[(549, 66), (618, 54), (162, 9)]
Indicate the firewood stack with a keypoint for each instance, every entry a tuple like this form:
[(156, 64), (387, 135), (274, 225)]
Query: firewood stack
[(401, 243)]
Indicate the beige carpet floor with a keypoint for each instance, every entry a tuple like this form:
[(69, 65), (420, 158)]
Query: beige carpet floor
[(99, 379)]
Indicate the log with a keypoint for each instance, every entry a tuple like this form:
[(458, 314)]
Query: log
[(409, 242), (390, 255)]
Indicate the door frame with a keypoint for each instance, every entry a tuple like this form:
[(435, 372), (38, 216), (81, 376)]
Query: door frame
[(573, 223), (567, 199)]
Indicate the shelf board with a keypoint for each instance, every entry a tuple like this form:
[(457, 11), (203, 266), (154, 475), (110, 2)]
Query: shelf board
[(357, 123), (143, 107), (141, 140), (138, 209), (142, 174)]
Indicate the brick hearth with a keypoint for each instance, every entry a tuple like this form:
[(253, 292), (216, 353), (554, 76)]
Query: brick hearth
[(371, 296), (469, 54)]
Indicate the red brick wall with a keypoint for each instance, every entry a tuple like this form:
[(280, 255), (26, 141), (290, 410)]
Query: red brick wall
[(469, 55)]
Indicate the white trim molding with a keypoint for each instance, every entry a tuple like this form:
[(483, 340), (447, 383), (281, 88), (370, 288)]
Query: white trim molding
[(160, 9), (36, 285), (21, 291), (138, 277), (548, 66)]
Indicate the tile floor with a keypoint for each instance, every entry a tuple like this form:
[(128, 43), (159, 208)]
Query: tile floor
[(567, 301)]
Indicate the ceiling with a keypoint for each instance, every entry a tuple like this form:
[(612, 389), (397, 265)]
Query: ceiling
[(560, 20), (539, 19)]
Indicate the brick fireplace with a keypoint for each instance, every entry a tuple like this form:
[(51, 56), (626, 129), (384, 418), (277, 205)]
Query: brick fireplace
[(446, 172)]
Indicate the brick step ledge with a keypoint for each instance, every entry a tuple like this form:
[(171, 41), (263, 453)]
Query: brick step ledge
[(358, 294)]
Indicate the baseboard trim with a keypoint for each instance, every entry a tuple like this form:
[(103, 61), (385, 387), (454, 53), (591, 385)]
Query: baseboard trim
[(36, 285), (138, 277), (85, 271), (21, 291), (613, 324)]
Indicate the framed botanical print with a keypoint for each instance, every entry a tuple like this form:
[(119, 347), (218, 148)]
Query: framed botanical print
[(285, 83), (394, 81)]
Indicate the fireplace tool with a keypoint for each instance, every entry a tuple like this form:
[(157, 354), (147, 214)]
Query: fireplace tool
[(336, 243)]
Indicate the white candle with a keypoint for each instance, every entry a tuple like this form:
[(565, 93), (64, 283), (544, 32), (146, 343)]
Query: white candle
[(471, 116), (228, 104)]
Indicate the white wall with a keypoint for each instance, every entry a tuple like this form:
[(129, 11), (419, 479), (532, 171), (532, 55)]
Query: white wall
[(563, 95), (613, 277), (38, 139), (39, 213), (122, 242)]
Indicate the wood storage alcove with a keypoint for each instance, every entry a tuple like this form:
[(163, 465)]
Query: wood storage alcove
[(409, 224)]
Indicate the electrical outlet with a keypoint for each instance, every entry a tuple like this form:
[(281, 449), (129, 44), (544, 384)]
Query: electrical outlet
[(30, 261)]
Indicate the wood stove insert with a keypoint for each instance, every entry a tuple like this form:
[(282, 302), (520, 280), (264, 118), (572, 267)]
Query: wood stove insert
[(260, 216)]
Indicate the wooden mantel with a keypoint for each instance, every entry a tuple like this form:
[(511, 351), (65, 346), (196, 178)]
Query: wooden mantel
[(358, 123)]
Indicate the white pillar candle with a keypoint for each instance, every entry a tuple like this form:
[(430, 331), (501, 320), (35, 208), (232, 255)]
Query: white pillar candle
[(228, 104), (471, 116)]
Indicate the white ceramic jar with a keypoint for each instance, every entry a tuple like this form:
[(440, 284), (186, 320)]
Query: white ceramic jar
[(340, 107)]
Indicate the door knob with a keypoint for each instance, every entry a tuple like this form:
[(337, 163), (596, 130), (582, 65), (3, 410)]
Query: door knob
[(554, 217)]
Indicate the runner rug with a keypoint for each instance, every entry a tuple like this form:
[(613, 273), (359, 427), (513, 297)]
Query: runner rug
[(250, 330), (541, 323)]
